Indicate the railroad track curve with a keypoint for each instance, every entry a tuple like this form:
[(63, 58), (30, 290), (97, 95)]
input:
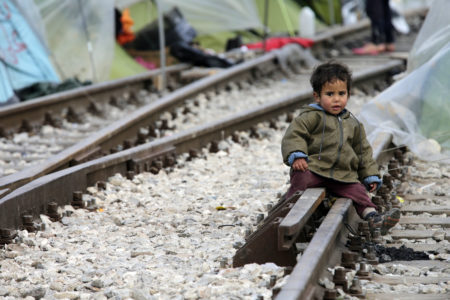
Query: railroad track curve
[(36, 196), (25, 153)]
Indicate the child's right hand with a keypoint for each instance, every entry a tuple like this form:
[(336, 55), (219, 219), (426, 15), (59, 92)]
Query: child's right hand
[(300, 164)]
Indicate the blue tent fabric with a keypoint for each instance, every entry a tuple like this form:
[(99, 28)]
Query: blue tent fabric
[(23, 58), (6, 91)]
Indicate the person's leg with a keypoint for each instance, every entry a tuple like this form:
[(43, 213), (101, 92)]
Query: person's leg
[(374, 10), (355, 191), (364, 206), (388, 28), (300, 181)]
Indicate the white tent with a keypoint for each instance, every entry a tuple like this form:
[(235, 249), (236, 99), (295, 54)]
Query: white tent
[(80, 33)]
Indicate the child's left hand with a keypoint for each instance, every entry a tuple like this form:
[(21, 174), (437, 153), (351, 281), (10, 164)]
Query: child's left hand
[(373, 186)]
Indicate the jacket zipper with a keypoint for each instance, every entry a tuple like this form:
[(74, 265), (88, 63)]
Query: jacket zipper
[(341, 142)]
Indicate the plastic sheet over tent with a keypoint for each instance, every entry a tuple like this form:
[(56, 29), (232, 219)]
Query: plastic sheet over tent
[(216, 16), (434, 34), (416, 109), (210, 16), (215, 21), (80, 34)]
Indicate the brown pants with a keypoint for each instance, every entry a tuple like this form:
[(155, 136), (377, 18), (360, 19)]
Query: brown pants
[(300, 181)]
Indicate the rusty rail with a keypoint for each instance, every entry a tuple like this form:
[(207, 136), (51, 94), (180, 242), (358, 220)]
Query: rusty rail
[(273, 240), (102, 142), (305, 275), (117, 132), (34, 110), (290, 227), (324, 247), (34, 196)]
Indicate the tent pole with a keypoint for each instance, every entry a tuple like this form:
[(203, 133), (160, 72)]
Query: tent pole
[(162, 48), (266, 16), (89, 43)]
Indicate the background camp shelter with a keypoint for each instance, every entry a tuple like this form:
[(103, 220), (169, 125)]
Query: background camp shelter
[(79, 37)]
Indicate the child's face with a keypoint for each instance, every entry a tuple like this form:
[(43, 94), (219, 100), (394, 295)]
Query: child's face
[(333, 97)]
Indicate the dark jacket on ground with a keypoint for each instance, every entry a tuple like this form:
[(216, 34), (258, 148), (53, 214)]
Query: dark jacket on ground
[(335, 145)]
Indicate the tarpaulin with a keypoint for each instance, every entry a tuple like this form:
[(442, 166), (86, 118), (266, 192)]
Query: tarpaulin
[(278, 42), (23, 58)]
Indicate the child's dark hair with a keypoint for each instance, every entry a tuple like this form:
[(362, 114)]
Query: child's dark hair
[(329, 72)]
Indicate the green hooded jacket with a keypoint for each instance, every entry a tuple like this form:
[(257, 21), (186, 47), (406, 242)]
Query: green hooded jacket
[(335, 145)]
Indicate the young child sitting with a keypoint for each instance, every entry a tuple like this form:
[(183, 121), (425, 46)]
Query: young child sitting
[(326, 146)]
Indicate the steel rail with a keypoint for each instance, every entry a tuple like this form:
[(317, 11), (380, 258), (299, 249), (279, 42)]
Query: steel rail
[(102, 142), (306, 272), (117, 132), (33, 197), (296, 218), (323, 249), (34, 110)]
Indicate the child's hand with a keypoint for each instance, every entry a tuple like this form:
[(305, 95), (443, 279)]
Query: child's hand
[(373, 186), (300, 164)]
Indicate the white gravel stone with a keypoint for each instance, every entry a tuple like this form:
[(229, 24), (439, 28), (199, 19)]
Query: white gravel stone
[(160, 235), (171, 235)]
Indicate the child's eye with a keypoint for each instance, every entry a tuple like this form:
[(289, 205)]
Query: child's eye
[(329, 94), (342, 93)]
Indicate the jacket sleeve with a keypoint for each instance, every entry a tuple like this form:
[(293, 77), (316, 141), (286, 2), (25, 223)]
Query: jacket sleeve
[(367, 165), (296, 138)]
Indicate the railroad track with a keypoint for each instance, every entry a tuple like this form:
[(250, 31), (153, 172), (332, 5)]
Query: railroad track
[(23, 203), (34, 130), (412, 260), (154, 155), (26, 154), (125, 132), (124, 203), (31, 115)]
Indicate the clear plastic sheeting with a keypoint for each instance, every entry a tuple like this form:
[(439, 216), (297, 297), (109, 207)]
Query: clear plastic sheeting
[(211, 16), (80, 34), (405, 5), (416, 109), (434, 34)]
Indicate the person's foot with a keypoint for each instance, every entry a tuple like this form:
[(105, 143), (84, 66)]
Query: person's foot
[(383, 221), (389, 47), (369, 49)]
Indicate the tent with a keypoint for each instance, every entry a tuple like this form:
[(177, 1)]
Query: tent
[(217, 21), (75, 39), (24, 60)]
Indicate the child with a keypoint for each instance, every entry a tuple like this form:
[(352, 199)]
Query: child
[(326, 146)]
